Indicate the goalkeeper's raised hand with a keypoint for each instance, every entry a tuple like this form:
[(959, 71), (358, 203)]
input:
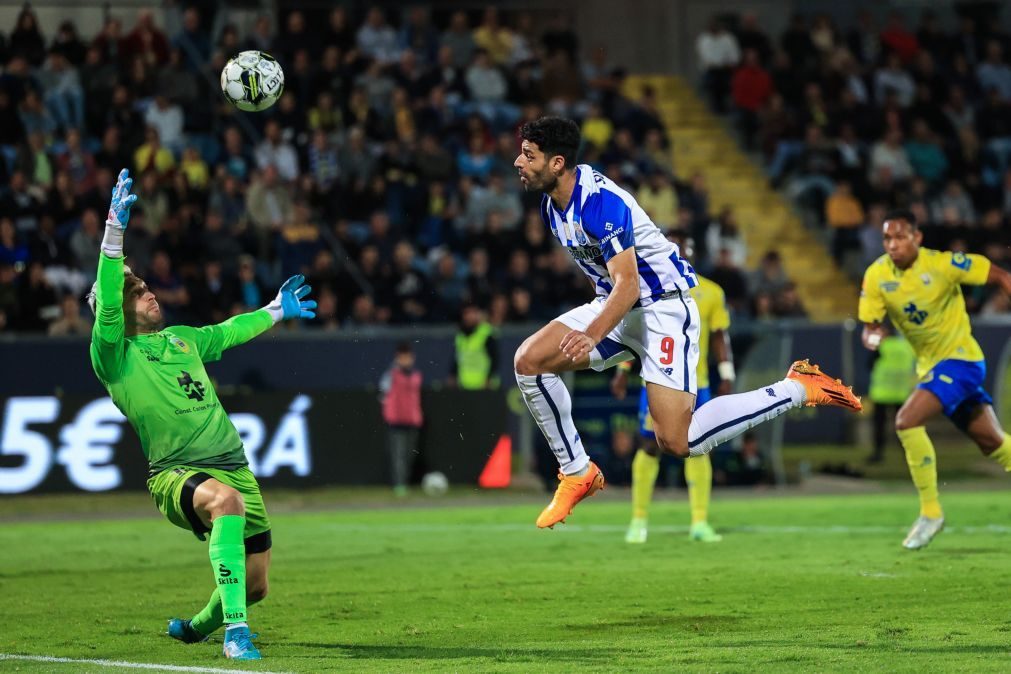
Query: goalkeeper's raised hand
[(119, 215), (290, 301)]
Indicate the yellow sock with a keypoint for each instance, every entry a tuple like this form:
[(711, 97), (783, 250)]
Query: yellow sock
[(645, 468), (699, 476), (922, 462), (1002, 454)]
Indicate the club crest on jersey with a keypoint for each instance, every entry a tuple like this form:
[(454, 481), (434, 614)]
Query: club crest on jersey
[(890, 286), (925, 277), (180, 344), (580, 234)]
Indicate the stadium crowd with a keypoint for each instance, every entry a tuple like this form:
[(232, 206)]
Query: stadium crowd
[(853, 120), (384, 172)]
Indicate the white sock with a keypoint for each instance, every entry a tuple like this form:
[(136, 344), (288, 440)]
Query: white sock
[(549, 402), (725, 417), (232, 626)]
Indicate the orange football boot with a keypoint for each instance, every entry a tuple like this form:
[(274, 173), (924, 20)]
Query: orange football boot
[(571, 490), (821, 388)]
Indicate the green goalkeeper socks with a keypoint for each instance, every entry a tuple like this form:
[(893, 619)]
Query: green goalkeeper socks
[(228, 559)]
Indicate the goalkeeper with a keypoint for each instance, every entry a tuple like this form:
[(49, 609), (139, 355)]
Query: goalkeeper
[(198, 476)]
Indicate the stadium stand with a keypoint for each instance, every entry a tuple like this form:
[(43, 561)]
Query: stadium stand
[(384, 173)]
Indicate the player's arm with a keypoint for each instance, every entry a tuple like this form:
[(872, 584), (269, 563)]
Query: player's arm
[(719, 343), (999, 277), (290, 303), (624, 271), (619, 382), (872, 311), (109, 331), (609, 220)]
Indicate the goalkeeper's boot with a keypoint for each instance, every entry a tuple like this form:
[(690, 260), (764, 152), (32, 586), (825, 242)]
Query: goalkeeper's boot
[(636, 531), (822, 389), (571, 490), (183, 631), (239, 644), (701, 531), (923, 531)]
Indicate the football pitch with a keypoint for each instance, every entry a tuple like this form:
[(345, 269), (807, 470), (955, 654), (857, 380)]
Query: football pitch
[(467, 583)]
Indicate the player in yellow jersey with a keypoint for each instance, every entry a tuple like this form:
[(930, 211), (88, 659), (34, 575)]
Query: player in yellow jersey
[(918, 290), (712, 305)]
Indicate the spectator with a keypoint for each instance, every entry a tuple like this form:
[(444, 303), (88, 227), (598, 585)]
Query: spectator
[(994, 73), (894, 79), (213, 295), (64, 96), (37, 300), (13, 251), (889, 162), (146, 41), (192, 40), (658, 198), (493, 37), (377, 40), (69, 44), (166, 118), (458, 41), (276, 152), (844, 215), (718, 53), (168, 288), (400, 387), (770, 278), (26, 41), (72, 323), (751, 87), (787, 303), (724, 235), (728, 276), (898, 40), (152, 156), (475, 363), (925, 154), (751, 36)]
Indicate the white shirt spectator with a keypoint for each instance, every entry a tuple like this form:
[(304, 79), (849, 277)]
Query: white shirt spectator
[(717, 50), (379, 43), (892, 158), (167, 120), (486, 82), (281, 156), (896, 80), (995, 76)]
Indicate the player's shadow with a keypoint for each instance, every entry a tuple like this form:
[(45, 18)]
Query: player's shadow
[(571, 656)]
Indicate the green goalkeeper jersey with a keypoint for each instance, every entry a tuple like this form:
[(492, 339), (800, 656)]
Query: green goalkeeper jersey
[(159, 382)]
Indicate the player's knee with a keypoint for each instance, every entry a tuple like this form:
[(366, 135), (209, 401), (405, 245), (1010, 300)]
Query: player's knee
[(256, 590), (227, 502), (672, 442), (524, 361), (989, 442), (904, 421)]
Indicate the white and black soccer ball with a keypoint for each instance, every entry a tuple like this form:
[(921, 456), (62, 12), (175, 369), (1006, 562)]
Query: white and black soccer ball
[(252, 80), (434, 483)]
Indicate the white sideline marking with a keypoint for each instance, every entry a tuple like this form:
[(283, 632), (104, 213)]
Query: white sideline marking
[(126, 665), (674, 529)]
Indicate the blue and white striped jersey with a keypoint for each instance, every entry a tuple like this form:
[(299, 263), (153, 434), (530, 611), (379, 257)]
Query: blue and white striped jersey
[(602, 220)]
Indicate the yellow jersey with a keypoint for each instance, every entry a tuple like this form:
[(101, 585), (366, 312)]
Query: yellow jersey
[(925, 303), (712, 303)]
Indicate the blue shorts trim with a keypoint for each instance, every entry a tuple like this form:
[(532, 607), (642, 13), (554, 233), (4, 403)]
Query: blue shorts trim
[(958, 384), (646, 423)]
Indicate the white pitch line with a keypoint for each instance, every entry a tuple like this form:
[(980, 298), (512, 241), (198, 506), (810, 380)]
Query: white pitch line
[(675, 529), (125, 665)]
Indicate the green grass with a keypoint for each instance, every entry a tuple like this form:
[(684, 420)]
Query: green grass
[(478, 588)]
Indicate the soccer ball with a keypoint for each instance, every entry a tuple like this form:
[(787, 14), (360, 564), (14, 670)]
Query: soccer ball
[(252, 80), (434, 484)]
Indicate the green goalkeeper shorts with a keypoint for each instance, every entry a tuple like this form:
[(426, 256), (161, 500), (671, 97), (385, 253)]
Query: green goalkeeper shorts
[(173, 490)]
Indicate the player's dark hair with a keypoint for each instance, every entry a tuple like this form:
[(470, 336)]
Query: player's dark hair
[(404, 347), (554, 136), (902, 214)]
